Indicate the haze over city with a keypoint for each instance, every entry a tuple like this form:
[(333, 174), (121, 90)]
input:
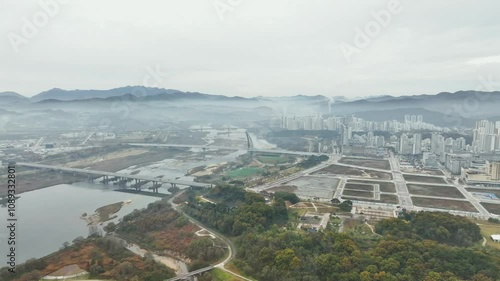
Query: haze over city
[(244, 140)]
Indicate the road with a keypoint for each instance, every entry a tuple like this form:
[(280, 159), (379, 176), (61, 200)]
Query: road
[(399, 181), (231, 247)]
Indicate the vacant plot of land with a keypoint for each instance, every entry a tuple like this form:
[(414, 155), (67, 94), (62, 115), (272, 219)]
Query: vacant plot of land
[(385, 186), (384, 198), (367, 162), (425, 179), (283, 188), (492, 208), (443, 204), (434, 190), (487, 230), (389, 198), (272, 159), (358, 193), (358, 186), (315, 187), (496, 192), (343, 170), (244, 172)]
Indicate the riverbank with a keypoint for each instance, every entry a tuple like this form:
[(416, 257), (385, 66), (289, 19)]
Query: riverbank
[(104, 213), (30, 179)]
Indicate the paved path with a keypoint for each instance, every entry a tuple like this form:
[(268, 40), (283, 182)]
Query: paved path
[(231, 247)]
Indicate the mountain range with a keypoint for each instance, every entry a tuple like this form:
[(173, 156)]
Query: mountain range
[(461, 108)]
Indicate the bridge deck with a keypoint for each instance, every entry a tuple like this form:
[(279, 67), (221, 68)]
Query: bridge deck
[(192, 273), (111, 174)]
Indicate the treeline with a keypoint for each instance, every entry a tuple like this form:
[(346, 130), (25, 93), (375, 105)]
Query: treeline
[(281, 255), (438, 226), (405, 251), (140, 226), (252, 212), (312, 161), (103, 258)]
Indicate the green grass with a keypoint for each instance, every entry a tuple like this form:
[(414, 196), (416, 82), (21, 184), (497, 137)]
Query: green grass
[(244, 172), (487, 230), (268, 159)]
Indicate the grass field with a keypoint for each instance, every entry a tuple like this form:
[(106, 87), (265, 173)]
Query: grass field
[(343, 170), (244, 172), (358, 186), (443, 204), (271, 159), (365, 162), (487, 229), (220, 275), (434, 190), (357, 193), (492, 208), (385, 186), (425, 179)]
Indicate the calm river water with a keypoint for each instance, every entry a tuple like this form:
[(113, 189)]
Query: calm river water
[(48, 217)]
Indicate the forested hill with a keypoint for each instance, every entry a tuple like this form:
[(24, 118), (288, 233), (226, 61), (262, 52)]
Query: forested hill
[(417, 246)]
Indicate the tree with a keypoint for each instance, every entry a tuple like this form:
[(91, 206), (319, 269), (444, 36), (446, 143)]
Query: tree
[(78, 240), (110, 227), (346, 206)]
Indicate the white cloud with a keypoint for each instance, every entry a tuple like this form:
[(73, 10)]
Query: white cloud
[(279, 47)]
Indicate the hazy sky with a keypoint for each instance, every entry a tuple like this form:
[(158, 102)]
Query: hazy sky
[(250, 47)]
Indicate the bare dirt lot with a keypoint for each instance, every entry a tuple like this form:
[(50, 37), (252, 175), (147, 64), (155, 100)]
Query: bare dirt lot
[(492, 208), (384, 198), (283, 188), (357, 186), (385, 186), (35, 179), (434, 190), (367, 162), (343, 170), (358, 193), (443, 204), (315, 186), (426, 172), (484, 190), (425, 179)]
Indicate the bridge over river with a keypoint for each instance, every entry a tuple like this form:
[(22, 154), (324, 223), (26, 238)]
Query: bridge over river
[(110, 176)]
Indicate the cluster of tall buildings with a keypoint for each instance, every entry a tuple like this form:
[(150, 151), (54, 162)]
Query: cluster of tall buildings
[(355, 124), (409, 145), (486, 136)]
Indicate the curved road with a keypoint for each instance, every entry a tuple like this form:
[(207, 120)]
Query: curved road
[(231, 247)]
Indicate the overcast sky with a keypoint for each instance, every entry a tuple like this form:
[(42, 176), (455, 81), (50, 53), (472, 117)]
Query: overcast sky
[(250, 47)]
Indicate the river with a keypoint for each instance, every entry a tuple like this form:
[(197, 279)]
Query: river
[(50, 216)]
